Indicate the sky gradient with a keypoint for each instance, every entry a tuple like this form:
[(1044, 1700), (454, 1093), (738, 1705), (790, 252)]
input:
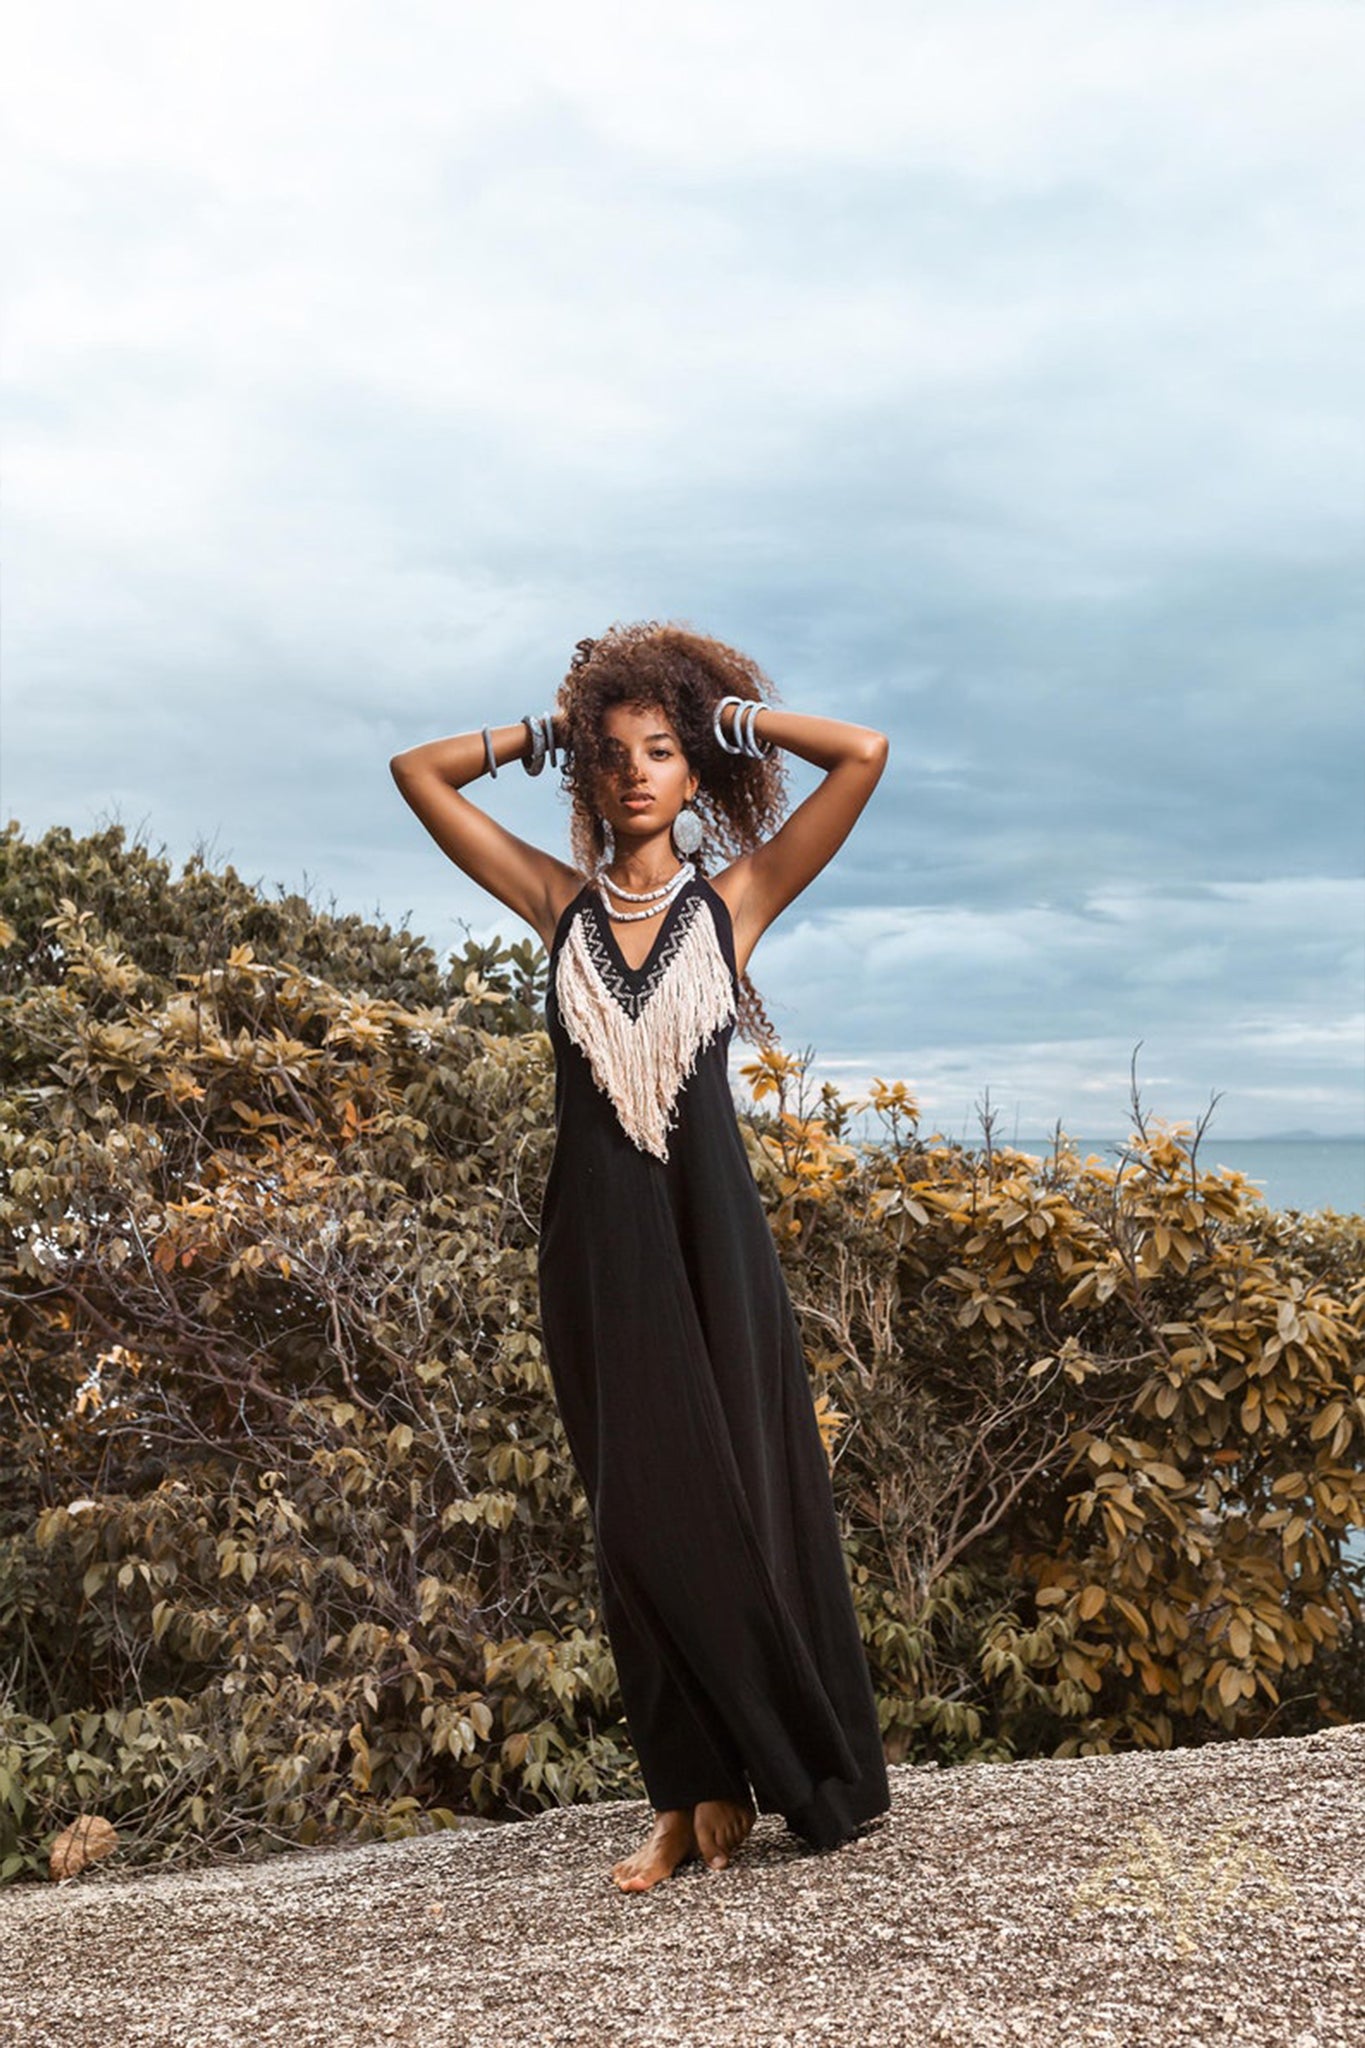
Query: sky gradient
[(991, 374)]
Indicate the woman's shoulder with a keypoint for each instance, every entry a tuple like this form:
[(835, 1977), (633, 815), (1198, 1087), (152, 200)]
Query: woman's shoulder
[(564, 898), (725, 886), (728, 886)]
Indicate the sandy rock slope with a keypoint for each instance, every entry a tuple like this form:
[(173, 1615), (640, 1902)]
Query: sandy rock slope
[(1199, 1896)]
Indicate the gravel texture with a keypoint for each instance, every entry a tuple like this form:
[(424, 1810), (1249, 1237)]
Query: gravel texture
[(1198, 1896)]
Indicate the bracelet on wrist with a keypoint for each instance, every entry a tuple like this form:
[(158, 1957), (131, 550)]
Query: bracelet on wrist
[(541, 746), (533, 760), (744, 740)]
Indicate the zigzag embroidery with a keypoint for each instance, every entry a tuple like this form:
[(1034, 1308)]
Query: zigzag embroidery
[(633, 995)]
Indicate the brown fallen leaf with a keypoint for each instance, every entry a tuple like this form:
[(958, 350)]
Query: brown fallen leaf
[(87, 1840)]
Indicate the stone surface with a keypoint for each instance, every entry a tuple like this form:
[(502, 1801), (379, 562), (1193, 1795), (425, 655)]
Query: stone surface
[(1175, 1899)]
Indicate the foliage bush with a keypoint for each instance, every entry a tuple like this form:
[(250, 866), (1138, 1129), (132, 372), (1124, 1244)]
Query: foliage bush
[(291, 1547)]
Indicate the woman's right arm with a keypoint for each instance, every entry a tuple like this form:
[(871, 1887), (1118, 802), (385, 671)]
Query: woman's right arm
[(529, 881)]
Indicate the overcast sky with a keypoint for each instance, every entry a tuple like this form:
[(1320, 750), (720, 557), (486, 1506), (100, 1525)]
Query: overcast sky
[(991, 374)]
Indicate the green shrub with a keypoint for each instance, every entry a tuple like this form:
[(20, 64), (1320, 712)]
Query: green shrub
[(291, 1546)]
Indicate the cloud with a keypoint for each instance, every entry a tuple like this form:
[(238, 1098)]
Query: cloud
[(989, 372), (1251, 990)]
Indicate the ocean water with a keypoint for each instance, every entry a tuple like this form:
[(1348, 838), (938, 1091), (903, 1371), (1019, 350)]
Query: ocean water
[(1292, 1173)]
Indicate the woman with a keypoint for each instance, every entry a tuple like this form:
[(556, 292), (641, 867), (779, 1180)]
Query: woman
[(669, 1333)]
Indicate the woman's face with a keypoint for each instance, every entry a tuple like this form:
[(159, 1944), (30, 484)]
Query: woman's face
[(644, 759)]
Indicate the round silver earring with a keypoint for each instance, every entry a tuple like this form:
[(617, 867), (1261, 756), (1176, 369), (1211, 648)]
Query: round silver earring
[(608, 843), (687, 832)]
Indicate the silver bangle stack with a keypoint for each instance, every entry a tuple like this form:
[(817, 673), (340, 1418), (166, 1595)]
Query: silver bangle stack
[(540, 734), (540, 731), (746, 740)]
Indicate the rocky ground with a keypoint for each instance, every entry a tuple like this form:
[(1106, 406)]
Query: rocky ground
[(1162, 1900)]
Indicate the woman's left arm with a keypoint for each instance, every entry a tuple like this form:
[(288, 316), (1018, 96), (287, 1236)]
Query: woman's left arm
[(760, 884)]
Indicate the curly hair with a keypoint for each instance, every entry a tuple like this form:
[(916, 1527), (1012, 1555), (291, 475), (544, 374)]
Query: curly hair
[(684, 674)]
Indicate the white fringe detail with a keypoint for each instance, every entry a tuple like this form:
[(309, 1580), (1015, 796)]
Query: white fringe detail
[(642, 1041)]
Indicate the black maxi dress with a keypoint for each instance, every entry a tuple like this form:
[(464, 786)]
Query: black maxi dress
[(676, 1360)]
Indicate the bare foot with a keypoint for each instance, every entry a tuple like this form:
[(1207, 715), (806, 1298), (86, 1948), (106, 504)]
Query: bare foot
[(671, 1840), (720, 1826)]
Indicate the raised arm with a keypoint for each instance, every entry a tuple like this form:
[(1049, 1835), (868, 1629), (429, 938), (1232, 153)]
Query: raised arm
[(528, 880), (760, 884)]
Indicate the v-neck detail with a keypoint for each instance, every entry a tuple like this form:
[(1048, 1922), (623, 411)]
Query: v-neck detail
[(642, 1029), (607, 924)]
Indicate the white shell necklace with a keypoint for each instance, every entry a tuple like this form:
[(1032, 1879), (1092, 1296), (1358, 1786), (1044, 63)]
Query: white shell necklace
[(657, 899)]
